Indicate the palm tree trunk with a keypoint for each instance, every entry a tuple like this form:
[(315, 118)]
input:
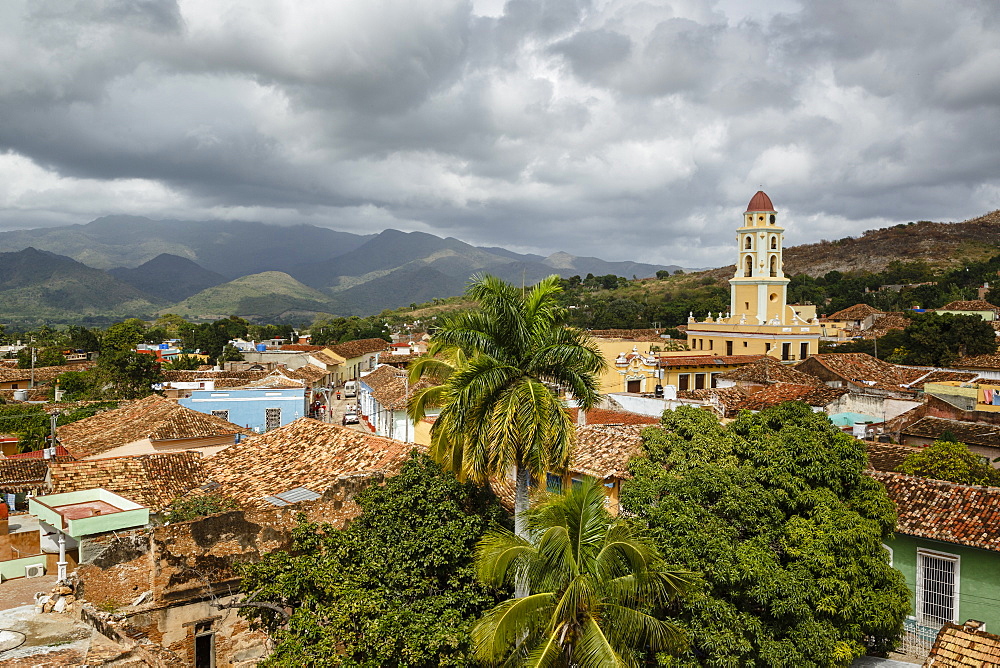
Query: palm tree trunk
[(523, 477)]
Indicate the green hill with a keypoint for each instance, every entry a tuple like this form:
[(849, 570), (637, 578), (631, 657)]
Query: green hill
[(260, 295), (41, 286)]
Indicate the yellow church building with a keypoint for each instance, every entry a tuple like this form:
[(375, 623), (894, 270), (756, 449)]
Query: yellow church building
[(760, 321)]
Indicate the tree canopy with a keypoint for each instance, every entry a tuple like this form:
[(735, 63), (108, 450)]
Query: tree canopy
[(951, 461), (776, 511), (397, 587)]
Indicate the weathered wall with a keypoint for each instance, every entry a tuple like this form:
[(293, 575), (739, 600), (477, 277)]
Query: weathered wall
[(169, 582)]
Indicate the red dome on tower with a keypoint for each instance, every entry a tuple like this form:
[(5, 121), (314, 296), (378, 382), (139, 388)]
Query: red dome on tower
[(760, 202)]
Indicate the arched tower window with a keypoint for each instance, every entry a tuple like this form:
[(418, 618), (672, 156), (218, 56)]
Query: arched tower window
[(748, 267), (774, 265), (774, 243), (772, 219), (748, 244)]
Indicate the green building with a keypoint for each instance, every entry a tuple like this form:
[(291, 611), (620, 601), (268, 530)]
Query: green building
[(947, 545)]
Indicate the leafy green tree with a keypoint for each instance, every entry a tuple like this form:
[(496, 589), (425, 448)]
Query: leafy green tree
[(184, 509), (43, 357), (593, 588), (498, 409), (948, 460), (397, 587), (230, 353), (123, 336), (776, 511), (183, 363), (935, 339), (82, 338), (125, 375)]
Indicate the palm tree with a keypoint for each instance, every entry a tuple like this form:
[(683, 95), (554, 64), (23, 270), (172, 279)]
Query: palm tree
[(496, 380), (591, 583)]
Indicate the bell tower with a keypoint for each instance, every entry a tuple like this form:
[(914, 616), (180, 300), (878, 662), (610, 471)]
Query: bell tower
[(758, 289)]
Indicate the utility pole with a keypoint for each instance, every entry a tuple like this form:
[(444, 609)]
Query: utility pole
[(31, 384)]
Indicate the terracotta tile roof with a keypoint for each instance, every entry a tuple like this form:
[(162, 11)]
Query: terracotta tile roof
[(309, 373), (21, 475), (399, 360), (277, 381), (221, 378), (726, 398), (887, 456), (304, 453), (978, 362), (974, 433), (964, 646), (301, 347), (882, 326), (352, 349), (969, 305), (708, 360), (943, 377), (43, 374), (388, 386), (325, 357), (945, 511), (856, 312), (154, 417), (605, 416), (767, 371), (151, 480), (38, 454), (863, 370), (603, 451), (813, 395)]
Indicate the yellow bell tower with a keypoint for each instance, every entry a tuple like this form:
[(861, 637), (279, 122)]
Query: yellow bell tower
[(760, 321), (758, 289)]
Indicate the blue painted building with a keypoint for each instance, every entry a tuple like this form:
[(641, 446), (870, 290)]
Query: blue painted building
[(258, 409)]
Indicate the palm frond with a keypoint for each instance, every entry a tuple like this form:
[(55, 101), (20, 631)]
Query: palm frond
[(501, 629)]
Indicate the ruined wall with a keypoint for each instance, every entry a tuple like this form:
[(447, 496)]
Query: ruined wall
[(166, 585)]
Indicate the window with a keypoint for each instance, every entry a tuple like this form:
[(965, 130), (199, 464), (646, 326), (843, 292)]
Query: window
[(553, 483), (699, 381), (774, 243), (577, 483), (748, 244), (221, 414), (937, 588), (772, 219), (767, 347), (746, 344), (729, 347), (786, 351), (711, 343), (748, 267), (683, 381), (803, 350), (714, 379), (633, 386), (204, 645), (774, 265), (272, 418), (13, 386)]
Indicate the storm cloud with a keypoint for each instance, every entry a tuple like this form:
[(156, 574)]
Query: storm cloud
[(626, 130)]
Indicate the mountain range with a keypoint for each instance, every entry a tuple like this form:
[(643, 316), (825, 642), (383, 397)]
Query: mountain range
[(127, 265)]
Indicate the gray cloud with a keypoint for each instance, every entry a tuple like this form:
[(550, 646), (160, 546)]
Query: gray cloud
[(622, 129)]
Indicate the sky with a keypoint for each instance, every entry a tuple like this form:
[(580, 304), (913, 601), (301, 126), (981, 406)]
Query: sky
[(627, 130)]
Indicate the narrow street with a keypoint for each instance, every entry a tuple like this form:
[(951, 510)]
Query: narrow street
[(338, 408)]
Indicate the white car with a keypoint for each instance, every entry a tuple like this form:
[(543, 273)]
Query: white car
[(350, 417)]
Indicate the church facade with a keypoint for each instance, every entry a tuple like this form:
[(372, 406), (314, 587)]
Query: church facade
[(759, 321)]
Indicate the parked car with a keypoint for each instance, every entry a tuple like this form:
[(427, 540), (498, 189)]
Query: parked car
[(350, 417), (350, 389)]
